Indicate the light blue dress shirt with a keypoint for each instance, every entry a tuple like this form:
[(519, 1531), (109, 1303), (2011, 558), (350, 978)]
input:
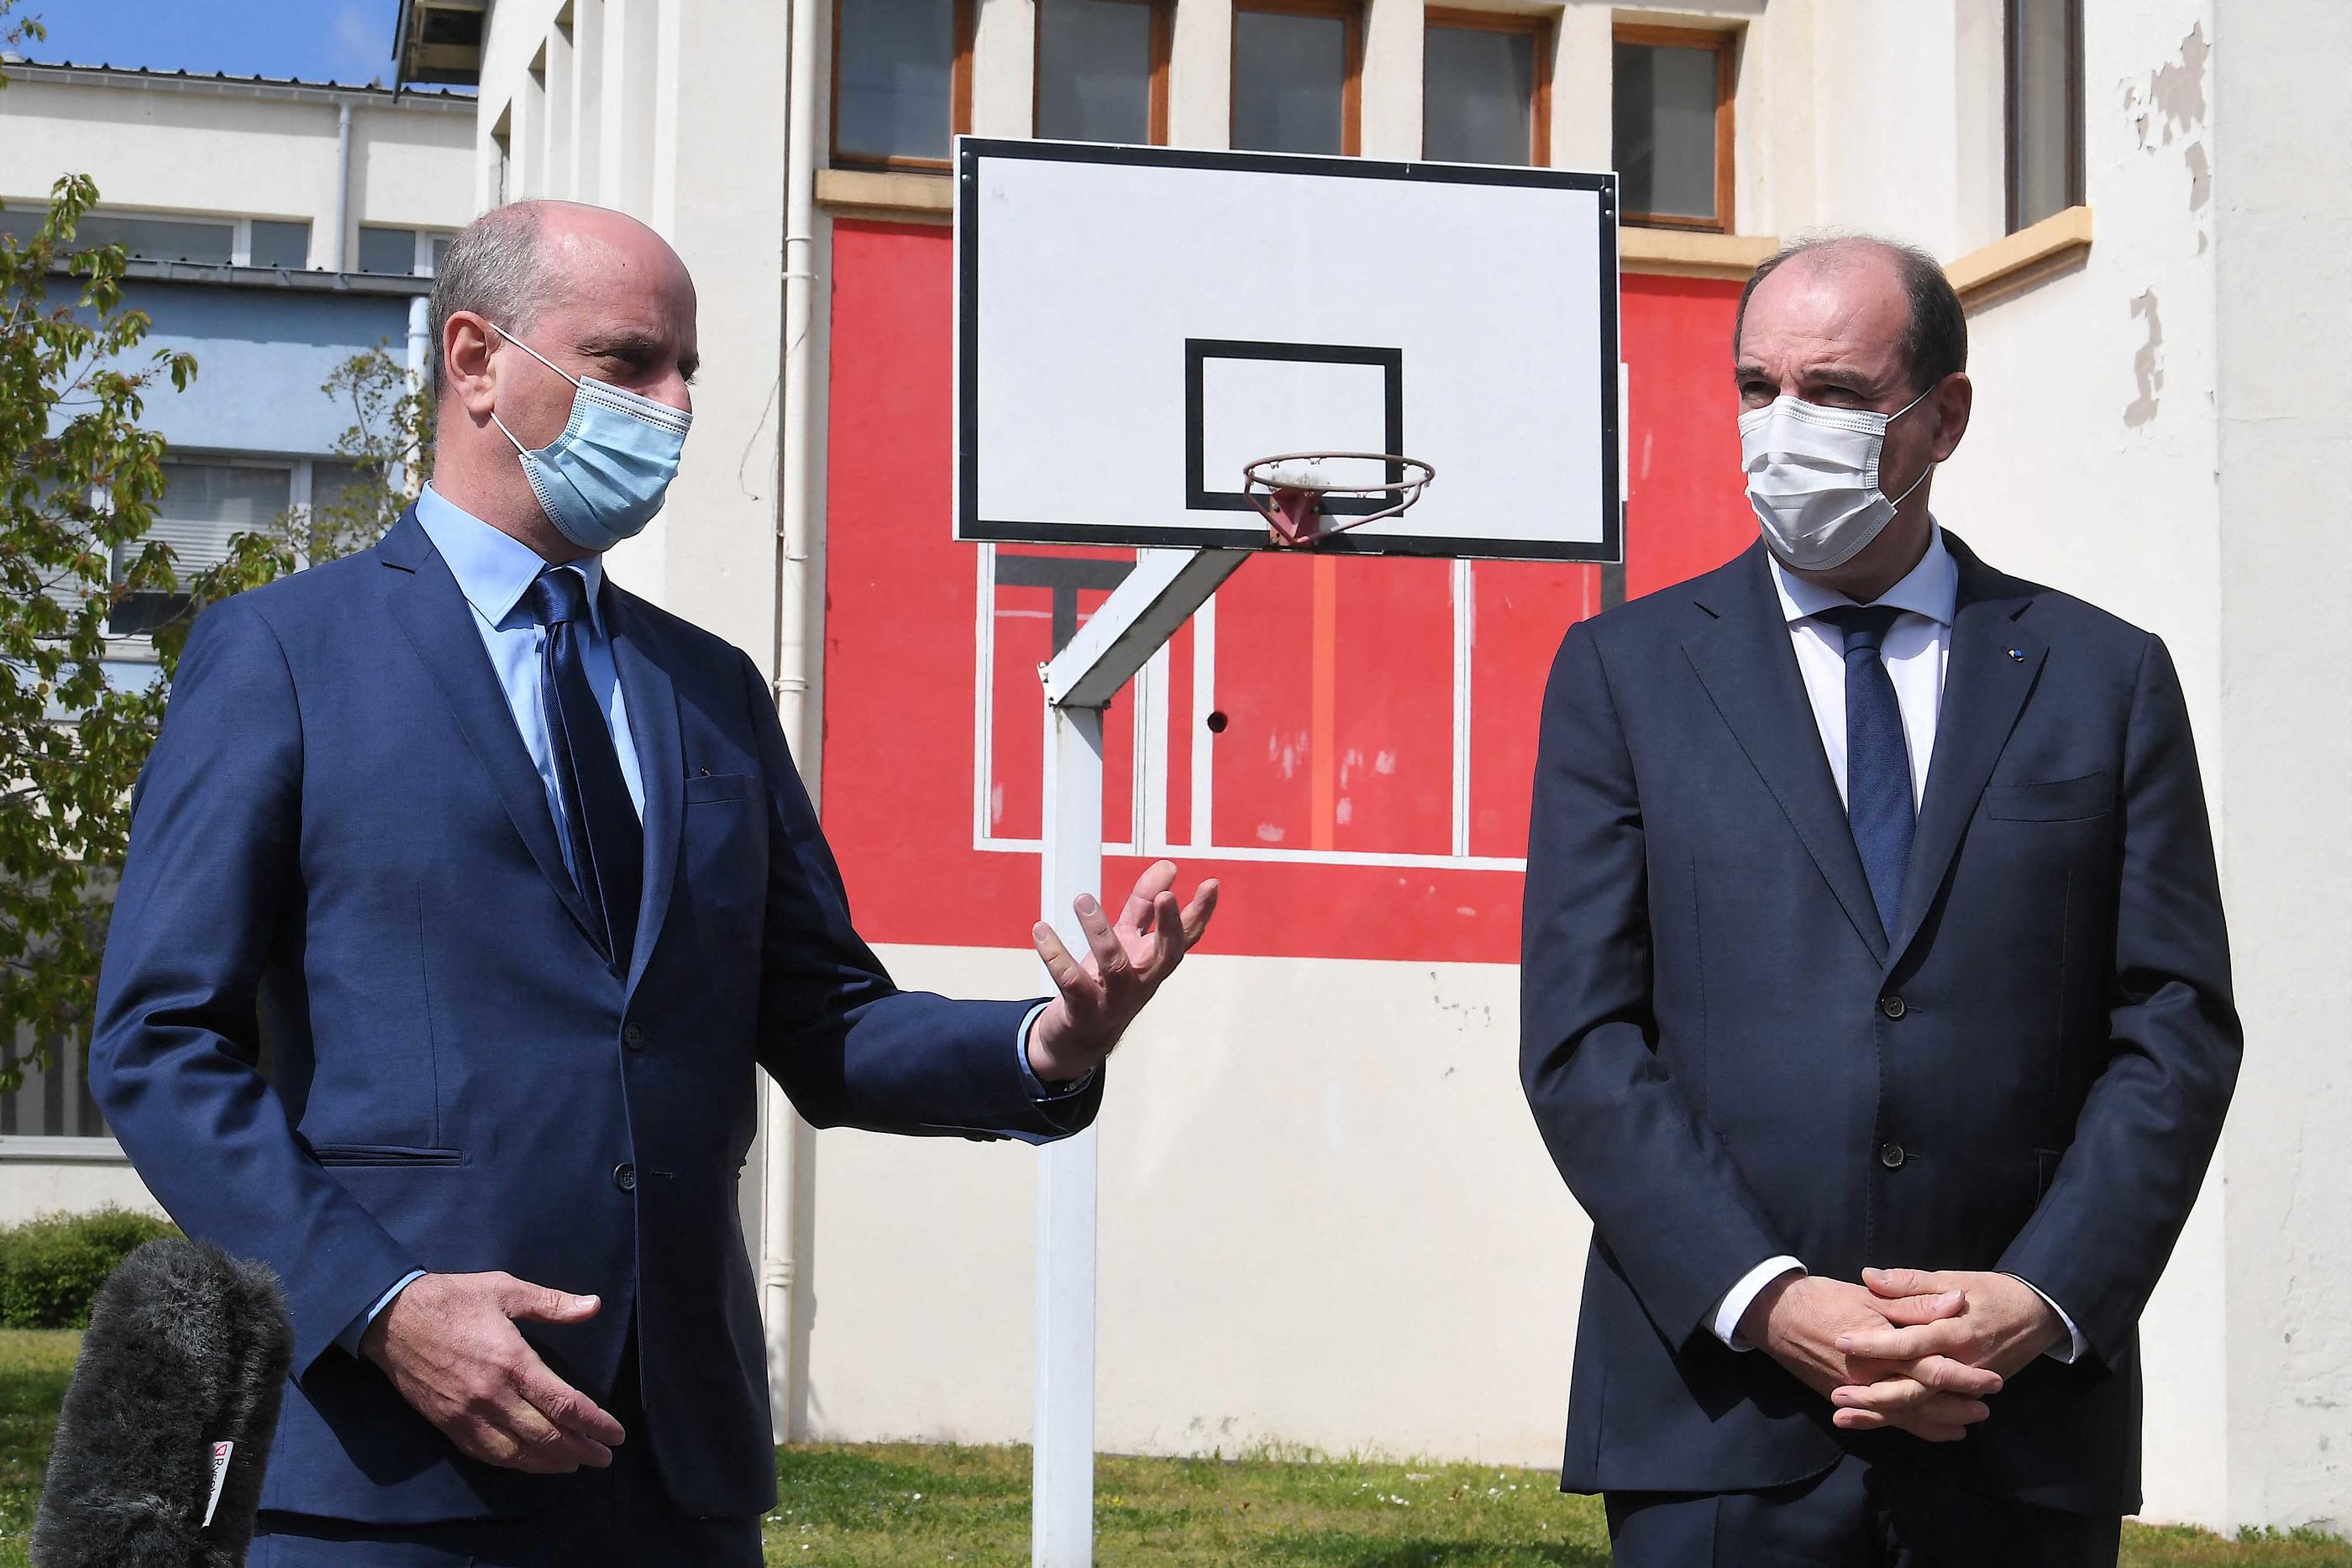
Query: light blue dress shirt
[(494, 569)]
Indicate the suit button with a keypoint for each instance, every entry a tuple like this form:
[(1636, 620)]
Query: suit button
[(625, 1175), (634, 1037), (1891, 1156), (1892, 1007)]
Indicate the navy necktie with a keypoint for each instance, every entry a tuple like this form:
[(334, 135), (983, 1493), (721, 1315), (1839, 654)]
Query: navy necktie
[(601, 825), (1878, 803)]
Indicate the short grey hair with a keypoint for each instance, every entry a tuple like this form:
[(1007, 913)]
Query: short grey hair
[(1935, 342), (496, 269)]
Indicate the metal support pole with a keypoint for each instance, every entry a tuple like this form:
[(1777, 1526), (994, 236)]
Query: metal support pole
[(1126, 630), (1062, 1521)]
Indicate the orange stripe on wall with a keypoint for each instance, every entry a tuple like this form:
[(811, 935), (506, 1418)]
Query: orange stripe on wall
[(1322, 746)]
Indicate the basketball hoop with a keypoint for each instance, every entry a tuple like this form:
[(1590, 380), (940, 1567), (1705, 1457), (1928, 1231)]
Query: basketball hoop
[(1294, 490)]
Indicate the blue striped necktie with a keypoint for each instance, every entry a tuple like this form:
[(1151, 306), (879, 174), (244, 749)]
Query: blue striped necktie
[(606, 841), (1878, 799)]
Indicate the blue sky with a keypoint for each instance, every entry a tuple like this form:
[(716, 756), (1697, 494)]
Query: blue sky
[(319, 40)]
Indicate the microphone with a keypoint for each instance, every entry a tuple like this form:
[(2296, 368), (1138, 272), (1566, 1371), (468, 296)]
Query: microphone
[(166, 1425)]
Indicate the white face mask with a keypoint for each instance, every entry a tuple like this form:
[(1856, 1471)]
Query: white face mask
[(1812, 478)]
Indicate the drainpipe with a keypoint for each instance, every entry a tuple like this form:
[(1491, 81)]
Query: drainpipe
[(797, 694), (341, 252), (420, 365)]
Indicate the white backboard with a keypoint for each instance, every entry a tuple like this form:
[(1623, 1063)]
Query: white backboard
[(1134, 324)]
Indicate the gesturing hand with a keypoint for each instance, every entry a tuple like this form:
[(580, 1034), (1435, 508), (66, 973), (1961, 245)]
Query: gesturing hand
[(1127, 964), (1806, 1323), (449, 1345)]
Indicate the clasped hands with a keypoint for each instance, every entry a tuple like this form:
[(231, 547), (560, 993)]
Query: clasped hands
[(1906, 1348)]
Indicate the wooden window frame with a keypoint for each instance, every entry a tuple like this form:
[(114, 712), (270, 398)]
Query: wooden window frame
[(1726, 46), (1350, 14), (958, 98), (2077, 177), (1537, 29), (1164, 45)]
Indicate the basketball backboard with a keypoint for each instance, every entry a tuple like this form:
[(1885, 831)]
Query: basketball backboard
[(1135, 326)]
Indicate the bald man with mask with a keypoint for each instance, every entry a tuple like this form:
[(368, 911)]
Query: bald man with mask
[(1876, 995), (515, 872)]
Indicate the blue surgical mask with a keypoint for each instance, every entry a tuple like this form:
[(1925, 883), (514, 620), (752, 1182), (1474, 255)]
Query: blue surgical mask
[(602, 479)]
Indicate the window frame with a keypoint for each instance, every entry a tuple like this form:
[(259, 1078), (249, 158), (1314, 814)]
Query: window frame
[(139, 647), (240, 252), (2077, 170), (1725, 42), (1349, 14), (1164, 45), (959, 98), (1538, 30)]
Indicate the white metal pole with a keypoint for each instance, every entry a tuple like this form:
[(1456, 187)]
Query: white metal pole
[(1062, 1518)]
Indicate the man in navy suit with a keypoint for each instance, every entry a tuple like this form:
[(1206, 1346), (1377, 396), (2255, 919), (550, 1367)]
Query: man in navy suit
[(1875, 994), (514, 874)]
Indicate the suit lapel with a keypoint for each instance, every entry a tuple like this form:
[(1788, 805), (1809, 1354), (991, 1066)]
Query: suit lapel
[(432, 613), (652, 703), (1994, 661), (1749, 670)]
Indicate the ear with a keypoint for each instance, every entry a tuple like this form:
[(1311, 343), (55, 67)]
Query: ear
[(467, 367), (1953, 400)]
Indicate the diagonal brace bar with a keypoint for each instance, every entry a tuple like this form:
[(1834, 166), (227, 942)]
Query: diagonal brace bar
[(1141, 613)]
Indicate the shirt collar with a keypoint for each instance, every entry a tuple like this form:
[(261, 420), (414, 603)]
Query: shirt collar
[(1931, 589), (494, 568)]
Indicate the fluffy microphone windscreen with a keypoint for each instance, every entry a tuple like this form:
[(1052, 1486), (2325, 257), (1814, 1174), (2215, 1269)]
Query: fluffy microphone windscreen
[(187, 1349)]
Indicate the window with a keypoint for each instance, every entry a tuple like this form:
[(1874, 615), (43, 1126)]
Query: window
[(1672, 126), (901, 80), (1486, 89), (402, 252), (285, 245), (208, 242), (1298, 67), (388, 250), (2045, 109), (1102, 71), (203, 503)]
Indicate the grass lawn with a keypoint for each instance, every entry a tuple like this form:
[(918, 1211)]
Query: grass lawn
[(910, 1506)]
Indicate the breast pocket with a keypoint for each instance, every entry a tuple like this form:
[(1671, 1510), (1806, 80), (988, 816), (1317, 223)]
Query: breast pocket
[(2059, 800), (711, 787), (725, 865)]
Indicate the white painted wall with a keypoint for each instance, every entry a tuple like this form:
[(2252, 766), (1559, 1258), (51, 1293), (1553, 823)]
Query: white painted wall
[(1326, 1218), (2282, 162), (239, 152)]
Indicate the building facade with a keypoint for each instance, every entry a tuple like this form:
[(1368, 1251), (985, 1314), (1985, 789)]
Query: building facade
[(1325, 1219), (275, 229)]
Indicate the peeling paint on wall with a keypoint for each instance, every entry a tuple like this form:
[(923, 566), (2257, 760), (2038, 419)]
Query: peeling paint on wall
[(2168, 105), (2148, 364), (2172, 103)]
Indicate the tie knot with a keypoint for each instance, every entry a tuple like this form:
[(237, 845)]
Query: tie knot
[(1865, 625), (557, 595)]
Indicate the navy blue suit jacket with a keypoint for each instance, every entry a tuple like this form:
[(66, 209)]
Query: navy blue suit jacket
[(1730, 1060), (340, 843)]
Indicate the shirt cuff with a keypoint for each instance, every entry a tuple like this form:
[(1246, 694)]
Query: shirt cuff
[(1741, 1296), (2075, 1344), (350, 1338), (1039, 1090)]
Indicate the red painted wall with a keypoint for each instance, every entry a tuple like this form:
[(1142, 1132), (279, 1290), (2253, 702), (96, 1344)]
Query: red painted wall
[(1335, 677)]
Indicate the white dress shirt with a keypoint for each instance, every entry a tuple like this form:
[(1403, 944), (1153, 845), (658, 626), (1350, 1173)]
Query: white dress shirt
[(1915, 653)]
